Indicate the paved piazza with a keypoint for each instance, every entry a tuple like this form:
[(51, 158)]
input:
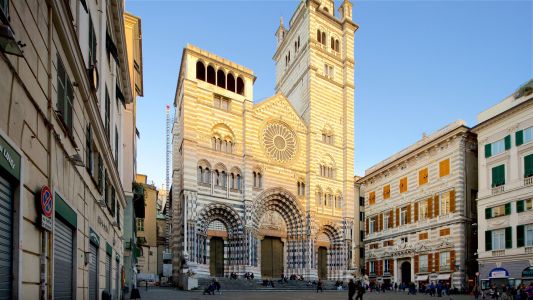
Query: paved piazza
[(165, 293)]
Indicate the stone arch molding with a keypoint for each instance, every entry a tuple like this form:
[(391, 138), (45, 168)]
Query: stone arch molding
[(333, 231), (223, 213), (286, 204)]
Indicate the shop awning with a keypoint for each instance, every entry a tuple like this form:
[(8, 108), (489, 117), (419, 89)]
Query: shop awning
[(443, 277), (422, 277)]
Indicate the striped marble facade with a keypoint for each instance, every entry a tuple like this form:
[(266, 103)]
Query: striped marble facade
[(280, 168), (440, 171)]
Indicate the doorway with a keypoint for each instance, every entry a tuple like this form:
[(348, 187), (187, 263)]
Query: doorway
[(322, 263), (216, 257), (271, 257), (406, 272)]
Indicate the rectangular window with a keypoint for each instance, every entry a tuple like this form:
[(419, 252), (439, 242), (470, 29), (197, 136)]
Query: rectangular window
[(92, 43), (116, 146), (328, 71), (423, 236), (221, 102), (528, 166), (140, 224), (500, 210), (89, 150), (424, 210), (372, 267), (4, 8), (423, 176), (498, 176), (386, 191), (524, 205), (386, 265), (445, 203), (404, 240), (444, 232), (444, 168), (529, 235), (65, 95), (423, 263), (528, 135), (495, 148), (386, 218), (444, 261), (107, 115), (371, 228), (361, 216), (403, 216), (403, 185), (498, 239)]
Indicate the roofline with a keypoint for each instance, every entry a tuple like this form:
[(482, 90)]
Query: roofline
[(506, 112)]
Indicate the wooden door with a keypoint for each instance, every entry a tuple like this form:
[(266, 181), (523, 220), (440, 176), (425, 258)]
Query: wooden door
[(271, 257), (322, 263), (216, 257)]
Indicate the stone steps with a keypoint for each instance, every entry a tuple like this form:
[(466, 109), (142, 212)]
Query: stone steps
[(256, 284)]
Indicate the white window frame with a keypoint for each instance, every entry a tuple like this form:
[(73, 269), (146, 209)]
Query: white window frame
[(528, 235), (528, 135), (497, 147), (444, 206), (371, 225), (498, 239), (386, 218), (423, 263), (445, 260), (423, 209), (403, 216), (372, 267)]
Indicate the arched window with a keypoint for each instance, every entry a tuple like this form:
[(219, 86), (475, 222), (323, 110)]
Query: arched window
[(200, 175), (200, 70), (319, 36), (207, 176), (240, 86), (260, 180), (332, 43), (239, 182), (255, 179), (217, 178), (231, 83), (221, 79), (223, 179), (211, 76), (232, 181), (323, 39), (337, 45), (295, 46), (298, 42)]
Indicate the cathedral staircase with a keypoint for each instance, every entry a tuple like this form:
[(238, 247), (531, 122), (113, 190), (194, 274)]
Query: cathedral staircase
[(256, 284)]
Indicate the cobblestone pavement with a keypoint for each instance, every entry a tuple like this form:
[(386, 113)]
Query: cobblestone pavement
[(167, 293)]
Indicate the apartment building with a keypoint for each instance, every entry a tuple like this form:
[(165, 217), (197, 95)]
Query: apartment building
[(505, 210), (419, 211)]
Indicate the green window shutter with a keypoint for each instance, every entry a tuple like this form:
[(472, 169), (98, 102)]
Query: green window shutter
[(520, 236), (508, 237), (508, 142), (528, 166), (507, 208), (519, 206), (488, 213), (488, 240), (487, 150), (519, 137), (498, 175)]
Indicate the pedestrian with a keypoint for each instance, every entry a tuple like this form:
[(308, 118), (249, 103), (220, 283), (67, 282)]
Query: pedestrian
[(217, 286), (351, 289), (319, 286), (395, 286), (360, 291)]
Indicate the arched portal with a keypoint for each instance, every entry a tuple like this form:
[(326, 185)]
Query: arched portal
[(406, 272), (331, 255), (286, 233)]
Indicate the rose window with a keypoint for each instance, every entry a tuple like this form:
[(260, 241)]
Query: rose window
[(279, 142)]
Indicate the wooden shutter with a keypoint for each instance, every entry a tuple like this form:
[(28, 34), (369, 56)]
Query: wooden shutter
[(488, 240), (380, 222), (519, 137), (488, 213), (391, 267), (408, 214), (430, 207), (366, 225), (437, 262), (507, 142), (488, 150), (528, 166), (452, 260), (416, 264), (397, 217), (367, 271), (436, 206), (403, 185), (423, 176), (391, 219), (416, 212), (452, 201), (507, 208), (372, 198), (520, 236), (519, 206), (430, 262), (508, 237), (444, 168)]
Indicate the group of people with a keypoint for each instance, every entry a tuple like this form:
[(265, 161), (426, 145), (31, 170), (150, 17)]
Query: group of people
[(213, 287), (521, 292), (433, 289), (247, 276)]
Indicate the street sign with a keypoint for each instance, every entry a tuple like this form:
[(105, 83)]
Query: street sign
[(47, 203), (46, 223)]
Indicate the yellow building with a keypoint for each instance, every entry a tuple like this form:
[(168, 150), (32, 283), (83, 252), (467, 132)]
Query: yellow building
[(147, 230), (267, 187)]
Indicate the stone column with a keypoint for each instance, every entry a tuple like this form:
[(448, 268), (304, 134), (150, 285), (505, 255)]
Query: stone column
[(396, 270)]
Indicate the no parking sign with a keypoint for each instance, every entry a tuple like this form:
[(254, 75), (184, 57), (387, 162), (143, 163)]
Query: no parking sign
[(47, 206)]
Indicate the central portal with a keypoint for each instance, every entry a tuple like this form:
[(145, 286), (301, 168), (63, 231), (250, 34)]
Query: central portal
[(216, 257), (322, 263), (271, 257)]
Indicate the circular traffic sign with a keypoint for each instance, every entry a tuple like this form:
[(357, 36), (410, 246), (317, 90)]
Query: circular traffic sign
[(47, 203)]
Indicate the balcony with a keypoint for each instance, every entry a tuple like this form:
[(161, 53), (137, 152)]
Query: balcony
[(497, 253), (498, 190), (529, 250), (528, 181)]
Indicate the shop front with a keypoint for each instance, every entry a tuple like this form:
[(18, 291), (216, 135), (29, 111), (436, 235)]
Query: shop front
[(527, 275), (497, 277)]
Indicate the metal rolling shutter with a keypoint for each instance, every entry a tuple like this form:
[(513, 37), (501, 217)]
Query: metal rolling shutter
[(108, 273), (116, 272), (93, 273), (63, 260), (6, 238)]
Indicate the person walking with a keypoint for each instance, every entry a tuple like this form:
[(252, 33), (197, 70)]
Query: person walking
[(351, 289), (360, 291), (319, 286)]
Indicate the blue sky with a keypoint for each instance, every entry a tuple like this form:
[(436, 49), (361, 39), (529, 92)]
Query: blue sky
[(419, 64)]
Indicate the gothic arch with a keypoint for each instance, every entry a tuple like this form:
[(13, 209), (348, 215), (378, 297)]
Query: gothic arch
[(285, 203), (333, 232), (223, 213)]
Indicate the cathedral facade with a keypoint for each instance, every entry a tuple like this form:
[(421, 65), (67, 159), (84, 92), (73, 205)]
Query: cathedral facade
[(267, 187)]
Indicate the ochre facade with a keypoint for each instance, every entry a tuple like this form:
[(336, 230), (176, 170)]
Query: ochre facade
[(267, 187)]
